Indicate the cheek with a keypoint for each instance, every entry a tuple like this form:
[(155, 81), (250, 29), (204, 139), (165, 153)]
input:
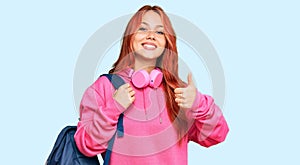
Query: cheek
[(136, 41), (162, 42), (161, 46)]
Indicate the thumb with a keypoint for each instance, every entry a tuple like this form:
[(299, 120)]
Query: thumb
[(190, 79)]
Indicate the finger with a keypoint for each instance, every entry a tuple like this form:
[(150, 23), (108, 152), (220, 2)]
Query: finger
[(180, 96), (132, 99), (178, 90), (179, 101), (190, 79), (180, 105), (131, 93), (128, 85), (130, 89)]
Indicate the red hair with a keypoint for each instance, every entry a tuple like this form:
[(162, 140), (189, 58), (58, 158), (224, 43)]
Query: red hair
[(167, 62)]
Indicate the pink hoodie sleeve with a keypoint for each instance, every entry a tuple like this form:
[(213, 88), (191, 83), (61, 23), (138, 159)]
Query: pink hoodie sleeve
[(209, 126), (99, 114)]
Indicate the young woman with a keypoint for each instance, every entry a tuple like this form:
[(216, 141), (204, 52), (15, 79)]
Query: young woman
[(161, 112)]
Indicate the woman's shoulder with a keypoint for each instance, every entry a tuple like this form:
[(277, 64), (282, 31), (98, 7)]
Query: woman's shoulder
[(102, 83)]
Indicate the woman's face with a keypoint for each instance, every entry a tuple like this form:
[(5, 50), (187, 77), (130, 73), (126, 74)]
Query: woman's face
[(149, 41)]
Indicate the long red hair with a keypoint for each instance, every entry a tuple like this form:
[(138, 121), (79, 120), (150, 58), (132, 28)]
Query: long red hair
[(167, 62)]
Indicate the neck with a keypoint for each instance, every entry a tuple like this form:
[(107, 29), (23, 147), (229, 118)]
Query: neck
[(145, 64)]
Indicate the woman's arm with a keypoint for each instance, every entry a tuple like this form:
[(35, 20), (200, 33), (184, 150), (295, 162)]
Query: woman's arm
[(99, 114), (209, 126)]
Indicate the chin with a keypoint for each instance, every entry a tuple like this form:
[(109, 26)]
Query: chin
[(148, 55)]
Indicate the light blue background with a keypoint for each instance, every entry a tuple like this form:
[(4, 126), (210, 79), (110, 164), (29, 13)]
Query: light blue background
[(257, 42)]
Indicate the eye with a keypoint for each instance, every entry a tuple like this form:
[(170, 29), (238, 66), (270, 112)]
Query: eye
[(142, 29), (160, 32)]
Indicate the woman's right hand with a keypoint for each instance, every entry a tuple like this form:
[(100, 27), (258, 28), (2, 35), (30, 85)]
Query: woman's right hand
[(124, 95)]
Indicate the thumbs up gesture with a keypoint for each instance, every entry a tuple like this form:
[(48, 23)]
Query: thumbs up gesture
[(185, 97)]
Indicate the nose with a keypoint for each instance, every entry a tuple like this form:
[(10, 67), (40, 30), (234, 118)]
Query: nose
[(150, 35)]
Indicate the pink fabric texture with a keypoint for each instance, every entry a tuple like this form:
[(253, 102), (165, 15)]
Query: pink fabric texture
[(149, 136)]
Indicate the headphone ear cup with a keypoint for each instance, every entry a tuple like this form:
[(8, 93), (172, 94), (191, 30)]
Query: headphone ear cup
[(140, 79), (155, 78)]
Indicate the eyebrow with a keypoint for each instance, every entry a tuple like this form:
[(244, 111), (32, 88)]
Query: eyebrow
[(157, 26)]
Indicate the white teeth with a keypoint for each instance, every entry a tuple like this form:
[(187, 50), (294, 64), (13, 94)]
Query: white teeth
[(147, 46)]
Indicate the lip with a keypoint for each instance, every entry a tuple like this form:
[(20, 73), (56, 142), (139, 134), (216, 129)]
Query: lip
[(149, 45)]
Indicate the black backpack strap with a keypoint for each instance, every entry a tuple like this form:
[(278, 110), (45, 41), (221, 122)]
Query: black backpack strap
[(116, 81)]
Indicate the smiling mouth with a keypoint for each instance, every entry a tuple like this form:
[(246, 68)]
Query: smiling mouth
[(149, 46)]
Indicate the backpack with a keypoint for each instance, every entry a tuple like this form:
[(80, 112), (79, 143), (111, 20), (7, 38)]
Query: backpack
[(65, 151)]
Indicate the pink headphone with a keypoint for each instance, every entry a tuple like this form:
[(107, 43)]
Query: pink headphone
[(141, 78)]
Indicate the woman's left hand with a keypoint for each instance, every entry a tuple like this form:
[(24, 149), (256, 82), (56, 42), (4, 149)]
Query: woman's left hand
[(185, 97)]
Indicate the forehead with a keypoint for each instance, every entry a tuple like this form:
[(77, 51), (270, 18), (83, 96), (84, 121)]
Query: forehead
[(152, 18)]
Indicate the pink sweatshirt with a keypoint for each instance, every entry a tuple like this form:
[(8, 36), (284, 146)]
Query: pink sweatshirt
[(149, 136)]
